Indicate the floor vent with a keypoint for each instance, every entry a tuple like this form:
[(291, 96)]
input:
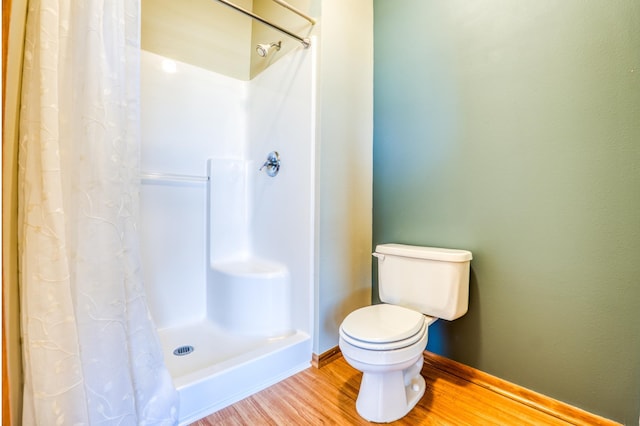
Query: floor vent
[(183, 350)]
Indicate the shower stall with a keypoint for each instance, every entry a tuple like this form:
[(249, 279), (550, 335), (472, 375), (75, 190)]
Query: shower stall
[(228, 249)]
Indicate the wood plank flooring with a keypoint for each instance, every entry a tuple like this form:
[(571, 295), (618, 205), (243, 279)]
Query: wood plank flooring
[(326, 396)]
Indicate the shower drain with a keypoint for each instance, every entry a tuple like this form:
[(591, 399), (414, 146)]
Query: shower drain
[(183, 350)]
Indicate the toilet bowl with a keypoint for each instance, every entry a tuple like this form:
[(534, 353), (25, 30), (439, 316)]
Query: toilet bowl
[(386, 341)]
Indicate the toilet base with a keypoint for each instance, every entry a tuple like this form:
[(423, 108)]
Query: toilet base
[(389, 396)]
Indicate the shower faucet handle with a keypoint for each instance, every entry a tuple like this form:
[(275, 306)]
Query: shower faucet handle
[(272, 164)]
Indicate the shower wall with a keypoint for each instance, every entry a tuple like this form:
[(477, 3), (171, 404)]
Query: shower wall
[(187, 116), (282, 118), (192, 115)]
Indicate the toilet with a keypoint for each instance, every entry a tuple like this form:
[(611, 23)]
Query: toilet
[(418, 285)]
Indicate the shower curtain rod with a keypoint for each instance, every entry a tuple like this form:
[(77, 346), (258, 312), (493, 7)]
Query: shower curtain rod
[(304, 41), (296, 11)]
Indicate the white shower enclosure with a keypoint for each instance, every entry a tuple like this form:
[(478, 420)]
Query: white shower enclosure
[(228, 251)]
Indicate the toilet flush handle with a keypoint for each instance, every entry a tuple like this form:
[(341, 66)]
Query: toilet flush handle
[(378, 255)]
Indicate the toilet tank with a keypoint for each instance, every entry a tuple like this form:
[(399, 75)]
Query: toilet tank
[(434, 281)]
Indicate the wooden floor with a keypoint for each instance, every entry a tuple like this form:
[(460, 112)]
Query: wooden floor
[(326, 396)]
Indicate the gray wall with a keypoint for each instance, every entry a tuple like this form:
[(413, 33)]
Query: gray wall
[(512, 129)]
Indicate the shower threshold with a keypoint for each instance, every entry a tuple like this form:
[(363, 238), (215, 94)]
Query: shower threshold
[(222, 368)]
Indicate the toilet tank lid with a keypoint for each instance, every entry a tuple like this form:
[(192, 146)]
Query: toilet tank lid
[(419, 252)]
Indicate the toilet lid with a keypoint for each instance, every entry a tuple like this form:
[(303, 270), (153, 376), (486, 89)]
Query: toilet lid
[(382, 323)]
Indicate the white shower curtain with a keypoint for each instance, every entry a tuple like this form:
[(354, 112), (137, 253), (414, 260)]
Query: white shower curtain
[(91, 352)]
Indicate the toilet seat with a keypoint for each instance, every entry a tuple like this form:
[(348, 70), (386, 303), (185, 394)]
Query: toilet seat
[(383, 327)]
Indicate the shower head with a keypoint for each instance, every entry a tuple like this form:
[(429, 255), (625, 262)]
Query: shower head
[(263, 49)]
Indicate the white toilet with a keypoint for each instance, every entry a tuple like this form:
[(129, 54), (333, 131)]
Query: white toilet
[(386, 341)]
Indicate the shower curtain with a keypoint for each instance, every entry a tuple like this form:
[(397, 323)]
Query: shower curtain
[(91, 353)]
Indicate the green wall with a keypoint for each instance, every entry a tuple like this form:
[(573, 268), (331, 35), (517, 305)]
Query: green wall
[(512, 129)]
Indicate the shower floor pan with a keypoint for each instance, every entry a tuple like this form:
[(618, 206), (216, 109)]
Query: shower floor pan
[(223, 368)]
